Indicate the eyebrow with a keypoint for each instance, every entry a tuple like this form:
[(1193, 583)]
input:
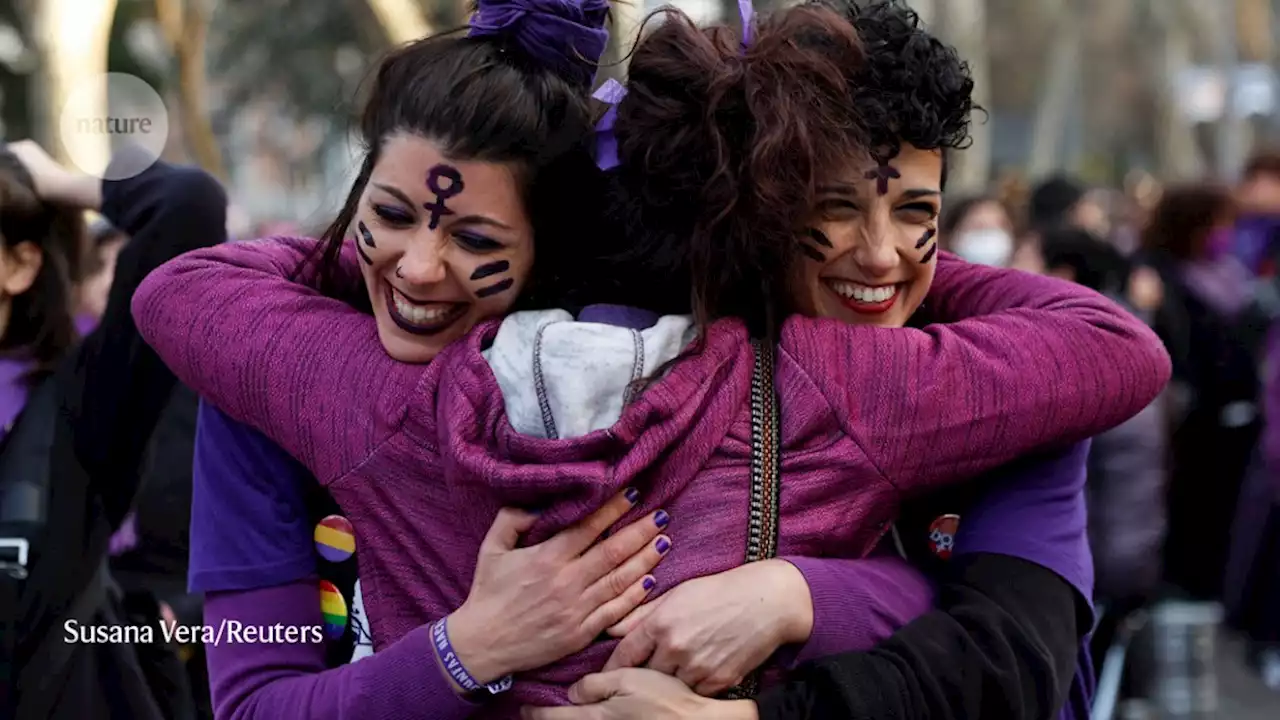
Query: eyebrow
[(395, 193), (481, 220), (464, 220), (841, 189), (851, 191)]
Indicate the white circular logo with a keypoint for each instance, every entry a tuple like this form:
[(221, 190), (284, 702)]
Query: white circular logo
[(114, 126)]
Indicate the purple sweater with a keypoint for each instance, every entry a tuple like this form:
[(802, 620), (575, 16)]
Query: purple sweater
[(247, 533), (849, 455)]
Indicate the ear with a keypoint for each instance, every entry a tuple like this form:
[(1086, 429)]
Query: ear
[(25, 260)]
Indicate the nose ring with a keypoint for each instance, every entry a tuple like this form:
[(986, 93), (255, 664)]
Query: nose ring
[(399, 273)]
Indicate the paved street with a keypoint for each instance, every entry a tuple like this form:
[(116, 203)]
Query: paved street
[(1242, 694)]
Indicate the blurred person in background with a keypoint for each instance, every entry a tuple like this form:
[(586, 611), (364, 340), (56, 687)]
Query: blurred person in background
[(104, 416), (40, 249), (1126, 479), (979, 230), (1257, 230), (1062, 200), (102, 247), (1253, 570), (1214, 394)]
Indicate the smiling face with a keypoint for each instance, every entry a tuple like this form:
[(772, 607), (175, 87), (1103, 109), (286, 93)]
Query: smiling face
[(871, 246), (444, 244)]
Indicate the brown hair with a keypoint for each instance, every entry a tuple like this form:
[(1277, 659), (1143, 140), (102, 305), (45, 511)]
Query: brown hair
[(1263, 163), (1181, 221), (721, 150), (41, 328)]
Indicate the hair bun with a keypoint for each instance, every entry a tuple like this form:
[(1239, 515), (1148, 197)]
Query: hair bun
[(567, 36)]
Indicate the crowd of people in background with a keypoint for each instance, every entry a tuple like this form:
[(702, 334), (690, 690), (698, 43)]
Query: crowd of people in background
[(1188, 487)]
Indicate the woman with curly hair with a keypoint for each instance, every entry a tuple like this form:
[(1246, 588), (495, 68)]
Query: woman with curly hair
[(1014, 585)]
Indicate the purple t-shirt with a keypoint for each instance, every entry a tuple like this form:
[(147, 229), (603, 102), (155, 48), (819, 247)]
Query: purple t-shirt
[(1041, 517)]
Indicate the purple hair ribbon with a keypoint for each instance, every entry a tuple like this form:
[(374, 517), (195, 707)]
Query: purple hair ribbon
[(568, 36), (612, 92)]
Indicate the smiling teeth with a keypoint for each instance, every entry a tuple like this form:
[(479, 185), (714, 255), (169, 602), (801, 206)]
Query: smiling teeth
[(420, 315), (863, 293)]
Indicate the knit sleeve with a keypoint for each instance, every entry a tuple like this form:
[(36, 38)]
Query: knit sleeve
[(240, 325), (1029, 362)]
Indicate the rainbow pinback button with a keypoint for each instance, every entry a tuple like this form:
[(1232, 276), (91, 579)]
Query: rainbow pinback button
[(334, 610), (335, 538)]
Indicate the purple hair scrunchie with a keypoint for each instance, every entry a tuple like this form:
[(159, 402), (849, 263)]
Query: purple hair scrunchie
[(567, 36)]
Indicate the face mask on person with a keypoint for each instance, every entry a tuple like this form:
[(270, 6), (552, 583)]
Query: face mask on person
[(987, 246)]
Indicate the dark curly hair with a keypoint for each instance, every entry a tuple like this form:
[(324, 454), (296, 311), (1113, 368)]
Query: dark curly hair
[(721, 149), (912, 88)]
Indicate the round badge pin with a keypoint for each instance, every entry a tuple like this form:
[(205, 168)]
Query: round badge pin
[(335, 538), (942, 535), (334, 610)]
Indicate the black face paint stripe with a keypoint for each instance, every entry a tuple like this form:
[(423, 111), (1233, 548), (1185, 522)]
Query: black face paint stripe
[(364, 233), (929, 255), (820, 237), (494, 289), (924, 239), (492, 268), (814, 255)]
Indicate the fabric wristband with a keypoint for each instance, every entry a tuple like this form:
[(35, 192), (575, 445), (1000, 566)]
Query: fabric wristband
[(449, 660)]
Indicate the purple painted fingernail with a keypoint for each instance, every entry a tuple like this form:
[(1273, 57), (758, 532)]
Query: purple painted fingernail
[(662, 546), (649, 582), (661, 518), (632, 495)]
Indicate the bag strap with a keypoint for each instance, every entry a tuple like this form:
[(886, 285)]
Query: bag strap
[(53, 655), (766, 479)]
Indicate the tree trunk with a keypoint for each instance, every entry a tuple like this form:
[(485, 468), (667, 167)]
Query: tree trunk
[(965, 23), (73, 38), (402, 20), (627, 18), (1179, 156), (186, 26), (1062, 70)]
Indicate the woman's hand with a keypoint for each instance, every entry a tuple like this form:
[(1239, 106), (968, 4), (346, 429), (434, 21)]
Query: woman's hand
[(532, 606), (55, 183), (640, 695), (712, 631)]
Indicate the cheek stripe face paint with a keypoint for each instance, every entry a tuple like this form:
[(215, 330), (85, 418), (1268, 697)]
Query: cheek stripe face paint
[(368, 236), (492, 268), (814, 255), (494, 289), (924, 239), (929, 255), (817, 237), (820, 237)]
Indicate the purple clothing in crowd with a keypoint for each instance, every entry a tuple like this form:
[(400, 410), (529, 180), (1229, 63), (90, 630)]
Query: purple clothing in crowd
[(13, 392)]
